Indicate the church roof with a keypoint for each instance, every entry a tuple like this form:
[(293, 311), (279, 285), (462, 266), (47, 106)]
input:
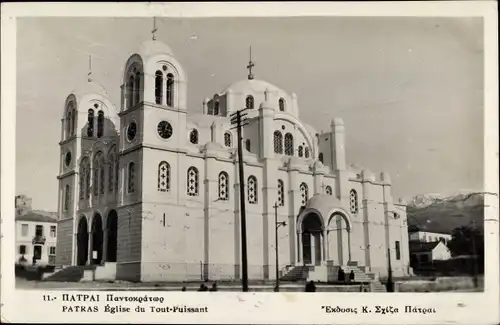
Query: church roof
[(251, 85), (323, 203), (422, 247), (90, 87), (36, 217), (153, 47)]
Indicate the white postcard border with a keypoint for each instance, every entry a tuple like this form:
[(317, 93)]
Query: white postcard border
[(298, 308)]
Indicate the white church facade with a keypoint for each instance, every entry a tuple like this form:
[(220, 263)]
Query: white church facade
[(153, 189)]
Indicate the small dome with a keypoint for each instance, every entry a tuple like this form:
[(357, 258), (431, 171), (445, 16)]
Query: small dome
[(324, 204), (369, 175), (150, 48), (318, 164), (266, 104), (253, 85), (90, 87)]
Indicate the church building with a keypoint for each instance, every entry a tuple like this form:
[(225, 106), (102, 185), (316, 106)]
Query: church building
[(150, 190)]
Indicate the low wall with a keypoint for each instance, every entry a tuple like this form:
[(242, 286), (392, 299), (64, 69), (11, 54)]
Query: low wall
[(439, 284)]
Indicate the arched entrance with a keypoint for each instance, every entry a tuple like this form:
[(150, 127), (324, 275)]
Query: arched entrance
[(97, 239), (112, 236), (82, 240), (312, 239), (338, 233)]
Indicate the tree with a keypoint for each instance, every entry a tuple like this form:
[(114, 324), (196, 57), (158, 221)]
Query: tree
[(466, 240)]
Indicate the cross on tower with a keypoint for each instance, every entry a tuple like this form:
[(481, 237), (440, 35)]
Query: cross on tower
[(154, 30), (90, 69), (250, 66)]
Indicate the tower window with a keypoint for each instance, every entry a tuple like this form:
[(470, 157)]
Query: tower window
[(281, 193), (170, 89), (158, 87), (193, 136), (67, 197), (100, 124), (353, 201), (328, 190), (98, 174), (252, 190), (192, 181), (306, 152), (137, 87), (398, 251), (278, 142), (289, 144), (87, 180), (249, 102), (111, 174), (223, 186), (304, 193), (130, 92), (216, 105), (90, 123), (131, 178), (73, 121), (163, 177), (320, 157), (282, 104), (102, 181), (69, 120), (82, 172), (227, 139), (301, 151)]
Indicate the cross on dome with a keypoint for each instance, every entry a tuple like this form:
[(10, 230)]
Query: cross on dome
[(250, 66), (154, 30)]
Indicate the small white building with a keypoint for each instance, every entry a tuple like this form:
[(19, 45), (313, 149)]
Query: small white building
[(427, 252), (36, 234)]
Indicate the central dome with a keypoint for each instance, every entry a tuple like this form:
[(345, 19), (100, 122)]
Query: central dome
[(251, 85), (90, 87), (149, 48)]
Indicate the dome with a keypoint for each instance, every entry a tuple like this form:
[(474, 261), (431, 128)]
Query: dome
[(150, 48), (324, 204), (90, 87), (252, 85)]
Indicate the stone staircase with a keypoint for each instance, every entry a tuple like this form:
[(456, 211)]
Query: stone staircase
[(296, 273), (376, 286), (68, 274), (359, 275)]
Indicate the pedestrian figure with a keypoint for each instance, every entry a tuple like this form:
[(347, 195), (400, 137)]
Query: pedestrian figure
[(310, 287), (351, 276), (341, 275), (276, 289), (183, 289), (34, 260), (203, 288), (214, 287)]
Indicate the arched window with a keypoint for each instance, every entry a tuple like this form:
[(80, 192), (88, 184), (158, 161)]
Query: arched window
[(192, 181), (130, 92), (96, 178), (100, 124), (281, 193), (170, 89), (90, 123), (131, 178), (288, 144), (111, 174), (87, 180), (282, 104), (223, 186), (306, 152), (247, 144), (249, 102), (353, 201), (216, 105), (278, 142), (102, 174), (69, 119), (193, 136), (320, 157), (67, 197), (73, 120), (163, 177), (117, 173), (301, 151), (304, 193), (82, 172), (227, 139), (158, 87), (137, 88), (252, 190), (328, 190)]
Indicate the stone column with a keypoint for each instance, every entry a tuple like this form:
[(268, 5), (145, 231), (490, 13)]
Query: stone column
[(90, 245), (104, 244), (313, 248)]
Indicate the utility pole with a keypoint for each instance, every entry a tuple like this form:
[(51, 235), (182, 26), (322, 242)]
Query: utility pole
[(237, 119), (475, 257), (390, 282), (277, 225)]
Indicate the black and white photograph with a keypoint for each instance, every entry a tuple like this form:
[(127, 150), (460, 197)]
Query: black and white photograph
[(336, 154)]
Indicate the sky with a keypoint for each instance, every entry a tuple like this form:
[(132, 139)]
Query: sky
[(410, 90)]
